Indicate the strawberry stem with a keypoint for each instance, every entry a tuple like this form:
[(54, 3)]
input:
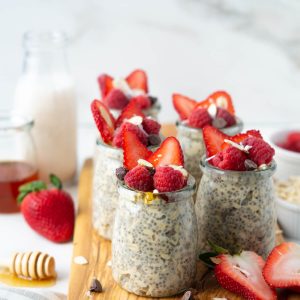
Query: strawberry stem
[(55, 181)]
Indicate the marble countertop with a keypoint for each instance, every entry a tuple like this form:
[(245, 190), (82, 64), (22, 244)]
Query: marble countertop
[(250, 48)]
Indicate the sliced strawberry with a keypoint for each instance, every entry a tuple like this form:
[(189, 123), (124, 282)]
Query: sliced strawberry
[(105, 83), (213, 139), (221, 99), (242, 275), (142, 100), (138, 80), (133, 150), (183, 105), (104, 120), (282, 266), (169, 153), (132, 109)]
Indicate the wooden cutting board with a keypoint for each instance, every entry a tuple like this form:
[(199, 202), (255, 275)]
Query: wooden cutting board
[(98, 253)]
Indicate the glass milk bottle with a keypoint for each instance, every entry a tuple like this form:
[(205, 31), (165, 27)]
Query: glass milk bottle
[(46, 92)]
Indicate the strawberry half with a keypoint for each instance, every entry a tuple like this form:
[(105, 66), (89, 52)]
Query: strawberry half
[(213, 139), (282, 267), (220, 99), (104, 120), (183, 105), (242, 275), (133, 149), (130, 110), (138, 80), (105, 83), (169, 153)]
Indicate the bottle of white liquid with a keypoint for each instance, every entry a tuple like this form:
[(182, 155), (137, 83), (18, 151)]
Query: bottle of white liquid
[(46, 92)]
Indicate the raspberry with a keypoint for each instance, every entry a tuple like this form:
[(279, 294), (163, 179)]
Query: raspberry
[(118, 137), (139, 178), (199, 118), (142, 100), (167, 179), (116, 99), (226, 116), (151, 126), (230, 159), (261, 152)]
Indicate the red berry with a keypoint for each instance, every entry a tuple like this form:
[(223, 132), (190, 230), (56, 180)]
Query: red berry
[(143, 101), (226, 116), (132, 109), (183, 105), (199, 118), (137, 79), (167, 179), (139, 178), (169, 153), (134, 149), (118, 138), (292, 142), (261, 152), (116, 99), (213, 139), (105, 122), (105, 84), (230, 159), (151, 126), (50, 213)]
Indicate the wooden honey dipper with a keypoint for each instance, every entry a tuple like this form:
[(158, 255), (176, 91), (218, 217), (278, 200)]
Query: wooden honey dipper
[(32, 265)]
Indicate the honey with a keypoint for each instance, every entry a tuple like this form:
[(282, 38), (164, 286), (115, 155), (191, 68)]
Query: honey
[(12, 175), (9, 279)]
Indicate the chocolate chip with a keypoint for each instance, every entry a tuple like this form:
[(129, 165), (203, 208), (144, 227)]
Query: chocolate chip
[(219, 123), (154, 140), (153, 99), (96, 286), (250, 164), (187, 296), (121, 172)]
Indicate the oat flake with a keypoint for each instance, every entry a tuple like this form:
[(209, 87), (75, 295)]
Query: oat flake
[(80, 260)]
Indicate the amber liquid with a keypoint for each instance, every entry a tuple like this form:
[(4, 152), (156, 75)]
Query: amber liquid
[(7, 278), (12, 175)]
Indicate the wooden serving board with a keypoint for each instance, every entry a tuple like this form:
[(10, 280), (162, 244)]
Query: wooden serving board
[(98, 253)]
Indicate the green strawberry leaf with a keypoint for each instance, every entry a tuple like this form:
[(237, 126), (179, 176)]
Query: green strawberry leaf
[(27, 188), (217, 249), (56, 181), (205, 257)]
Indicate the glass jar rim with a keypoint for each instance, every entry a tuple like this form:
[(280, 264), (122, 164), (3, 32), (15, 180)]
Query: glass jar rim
[(184, 124), (189, 188), (12, 121), (44, 40), (205, 165)]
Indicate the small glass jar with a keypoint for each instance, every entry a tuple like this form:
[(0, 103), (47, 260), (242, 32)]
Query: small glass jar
[(236, 210), (154, 246), (105, 190), (193, 147), (17, 158)]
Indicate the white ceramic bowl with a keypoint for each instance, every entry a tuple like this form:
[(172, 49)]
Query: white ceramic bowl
[(288, 162), (288, 218)]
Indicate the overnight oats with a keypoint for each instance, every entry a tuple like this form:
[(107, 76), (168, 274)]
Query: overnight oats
[(217, 110), (109, 156), (235, 205), (118, 92), (154, 245)]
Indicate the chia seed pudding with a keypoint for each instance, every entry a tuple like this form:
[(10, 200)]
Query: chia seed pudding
[(193, 147), (154, 246), (105, 191), (236, 210)]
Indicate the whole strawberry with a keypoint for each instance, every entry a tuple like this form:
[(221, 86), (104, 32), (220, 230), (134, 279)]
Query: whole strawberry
[(49, 212)]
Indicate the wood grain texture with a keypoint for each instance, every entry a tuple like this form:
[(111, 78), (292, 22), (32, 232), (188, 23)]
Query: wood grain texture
[(98, 253)]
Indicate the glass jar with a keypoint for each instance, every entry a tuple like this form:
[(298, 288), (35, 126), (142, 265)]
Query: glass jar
[(17, 158), (154, 245), (105, 190), (193, 147), (236, 210), (46, 92)]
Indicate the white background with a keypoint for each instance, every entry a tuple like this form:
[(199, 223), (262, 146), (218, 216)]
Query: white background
[(249, 48)]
